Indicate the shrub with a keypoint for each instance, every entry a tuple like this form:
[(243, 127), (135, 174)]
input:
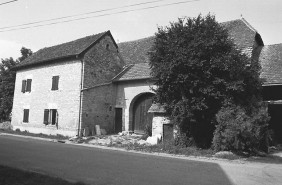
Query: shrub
[(239, 131), (183, 141)]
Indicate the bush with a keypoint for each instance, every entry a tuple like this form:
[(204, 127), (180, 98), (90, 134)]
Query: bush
[(183, 141), (238, 131)]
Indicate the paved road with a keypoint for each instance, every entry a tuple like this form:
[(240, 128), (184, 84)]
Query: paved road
[(102, 166)]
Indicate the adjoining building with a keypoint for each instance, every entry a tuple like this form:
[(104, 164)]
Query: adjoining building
[(91, 81)]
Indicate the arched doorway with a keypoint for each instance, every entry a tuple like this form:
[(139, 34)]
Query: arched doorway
[(142, 119)]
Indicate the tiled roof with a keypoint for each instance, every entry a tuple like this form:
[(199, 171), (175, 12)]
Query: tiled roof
[(134, 72), (157, 108), (241, 32), (62, 50), (134, 52), (271, 62)]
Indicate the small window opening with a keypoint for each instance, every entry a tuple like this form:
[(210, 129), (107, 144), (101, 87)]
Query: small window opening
[(50, 117)]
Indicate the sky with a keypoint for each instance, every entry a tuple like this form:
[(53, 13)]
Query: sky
[(126, 20)]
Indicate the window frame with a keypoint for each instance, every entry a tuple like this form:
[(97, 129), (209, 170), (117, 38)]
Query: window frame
[(50, 117), (26, 85)]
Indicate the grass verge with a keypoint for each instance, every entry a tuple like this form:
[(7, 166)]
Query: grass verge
[(170, 148), (26, 133), (14, 176)]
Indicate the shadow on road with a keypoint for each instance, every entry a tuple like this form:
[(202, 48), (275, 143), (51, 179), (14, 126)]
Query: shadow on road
[(102, 166)]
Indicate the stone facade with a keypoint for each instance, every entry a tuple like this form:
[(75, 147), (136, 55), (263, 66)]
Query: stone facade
[(81, 99), (41, 97), (101, 64), (97, 108)]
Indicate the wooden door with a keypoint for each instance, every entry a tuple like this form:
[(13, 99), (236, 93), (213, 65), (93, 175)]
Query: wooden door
[(167, 132), (118, 120), (141, 116)]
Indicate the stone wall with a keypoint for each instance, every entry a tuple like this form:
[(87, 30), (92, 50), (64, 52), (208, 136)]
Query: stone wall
[(98, 108), (101, 63), (65, 99)]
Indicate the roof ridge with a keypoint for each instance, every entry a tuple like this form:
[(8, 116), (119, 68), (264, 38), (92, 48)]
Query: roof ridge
[(137, 39), (273, 44), (123, 71), (248, 24), (102, 34), (72, 41), (244, 21), (229, 21)]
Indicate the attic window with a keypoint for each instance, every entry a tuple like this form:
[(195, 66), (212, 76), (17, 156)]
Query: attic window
[(107, 46)]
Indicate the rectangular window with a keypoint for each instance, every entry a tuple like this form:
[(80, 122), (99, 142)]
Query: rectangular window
[(26, 85), (25, 115), (55, 83), (50, 117)]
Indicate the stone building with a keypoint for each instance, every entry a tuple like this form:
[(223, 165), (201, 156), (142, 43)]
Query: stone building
[(65, 88), (94, 81)]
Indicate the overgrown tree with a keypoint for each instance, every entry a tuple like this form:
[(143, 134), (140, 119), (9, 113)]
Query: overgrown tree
[(197, 69), (25, 53), (7, 83)]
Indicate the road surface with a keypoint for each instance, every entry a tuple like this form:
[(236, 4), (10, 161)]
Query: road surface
[(102, 166)]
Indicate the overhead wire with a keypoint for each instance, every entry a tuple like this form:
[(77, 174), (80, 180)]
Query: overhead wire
[(102, 15), (7, 2), (76, 15)]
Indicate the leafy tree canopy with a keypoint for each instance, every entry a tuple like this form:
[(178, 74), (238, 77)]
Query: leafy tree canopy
[(7, 83), (25, 53), (197, 69)]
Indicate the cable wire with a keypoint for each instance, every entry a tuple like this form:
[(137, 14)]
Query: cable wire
[(102, 15), (76, 15), (8, 2)]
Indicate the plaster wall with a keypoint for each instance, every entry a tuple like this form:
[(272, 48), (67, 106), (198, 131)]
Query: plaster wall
[(65, 99)]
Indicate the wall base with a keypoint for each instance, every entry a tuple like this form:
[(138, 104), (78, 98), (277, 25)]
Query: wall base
[(47, 131)]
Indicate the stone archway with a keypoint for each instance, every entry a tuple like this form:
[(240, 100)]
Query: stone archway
[(139, 117)]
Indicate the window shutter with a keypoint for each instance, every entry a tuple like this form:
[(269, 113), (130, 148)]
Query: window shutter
[(57, 115), (46, 117), (23, 86), (55, 83), (25, 115), (28, 85)]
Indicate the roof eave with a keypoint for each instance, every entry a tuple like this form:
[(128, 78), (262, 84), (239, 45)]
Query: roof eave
[(123, 80), (44, 61), (271, 84)]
